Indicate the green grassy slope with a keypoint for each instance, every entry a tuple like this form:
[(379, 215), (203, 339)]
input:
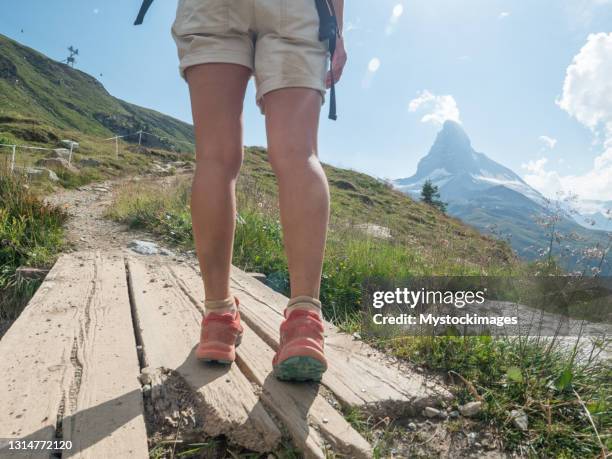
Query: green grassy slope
[(41, 100)]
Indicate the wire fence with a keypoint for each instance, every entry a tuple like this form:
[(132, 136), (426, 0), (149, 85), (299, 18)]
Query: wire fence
[(23, 162)]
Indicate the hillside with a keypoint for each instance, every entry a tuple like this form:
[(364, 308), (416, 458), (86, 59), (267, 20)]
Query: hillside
[(42, 100)]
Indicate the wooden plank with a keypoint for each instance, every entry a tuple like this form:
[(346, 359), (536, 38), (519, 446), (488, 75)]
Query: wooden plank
[(309, 418), (307, 415), (169, 324), (356, 374), (74, 359)]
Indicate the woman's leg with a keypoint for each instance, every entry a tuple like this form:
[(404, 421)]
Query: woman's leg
[(292, 122), (217, 95)]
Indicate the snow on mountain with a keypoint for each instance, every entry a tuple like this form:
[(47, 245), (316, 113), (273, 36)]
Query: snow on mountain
[(457, 169)]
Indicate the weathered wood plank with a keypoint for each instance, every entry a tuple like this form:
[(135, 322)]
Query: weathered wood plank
[(169, 324), (305, 413), (73, 358), (355, 375)]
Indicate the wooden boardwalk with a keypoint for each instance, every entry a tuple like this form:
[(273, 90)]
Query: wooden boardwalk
[(105, 328)]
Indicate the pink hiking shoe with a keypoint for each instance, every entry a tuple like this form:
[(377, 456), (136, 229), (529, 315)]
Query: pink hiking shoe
[(220, 335), (300, 354)]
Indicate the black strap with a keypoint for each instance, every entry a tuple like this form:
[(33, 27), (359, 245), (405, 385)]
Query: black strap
[(146, 4), (328, 30)]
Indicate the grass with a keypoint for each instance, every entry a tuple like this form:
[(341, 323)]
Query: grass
[(531, 374), (552, 386), (425, 241), (31, 235)]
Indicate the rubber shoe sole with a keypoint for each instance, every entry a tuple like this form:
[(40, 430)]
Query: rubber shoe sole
[(222, 361), (300, 369)]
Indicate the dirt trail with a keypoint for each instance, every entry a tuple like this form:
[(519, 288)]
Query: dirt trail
[(87, 228)]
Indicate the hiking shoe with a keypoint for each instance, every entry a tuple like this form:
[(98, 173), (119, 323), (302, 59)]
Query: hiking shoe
[(220, 335), (300, 354)]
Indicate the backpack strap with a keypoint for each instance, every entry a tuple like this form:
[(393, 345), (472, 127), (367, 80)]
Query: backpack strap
[(146, 4), (328, 30)]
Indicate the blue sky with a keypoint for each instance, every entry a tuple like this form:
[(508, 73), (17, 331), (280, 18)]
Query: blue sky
[(499, 66)]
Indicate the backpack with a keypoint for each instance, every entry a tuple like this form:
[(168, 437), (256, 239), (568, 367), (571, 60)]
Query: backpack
[(328, 30)]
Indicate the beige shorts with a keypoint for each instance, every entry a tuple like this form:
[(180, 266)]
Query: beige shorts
[(277, 39)]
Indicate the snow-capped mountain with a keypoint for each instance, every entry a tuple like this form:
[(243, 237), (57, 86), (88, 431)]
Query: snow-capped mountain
[(593, 214), (492, 197), (458, 170)]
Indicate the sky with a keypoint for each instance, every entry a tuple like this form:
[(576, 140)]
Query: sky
[(529, 80)]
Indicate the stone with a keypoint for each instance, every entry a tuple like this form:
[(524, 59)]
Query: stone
[(471, 409), (412, 426), (453, 414), (520, 419), (376, 231), (35, 173), (59, 153), (144, 247), (430, 412), (68, 143), (57, 163)]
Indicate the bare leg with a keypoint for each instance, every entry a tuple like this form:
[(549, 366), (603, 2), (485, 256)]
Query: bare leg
[(292, 122), (217, 95)]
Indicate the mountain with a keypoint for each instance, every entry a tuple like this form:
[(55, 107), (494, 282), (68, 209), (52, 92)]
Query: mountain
[(459, 171), (593, 214), (42, 100), (492, 197)]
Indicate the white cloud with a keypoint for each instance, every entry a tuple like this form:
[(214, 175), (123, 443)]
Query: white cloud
[(438, 108), (503, 15), (549, 142), (587, 97), (96, 11)]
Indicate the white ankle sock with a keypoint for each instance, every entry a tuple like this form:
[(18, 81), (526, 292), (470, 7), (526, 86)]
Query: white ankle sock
[(304, 303), (220, 306)]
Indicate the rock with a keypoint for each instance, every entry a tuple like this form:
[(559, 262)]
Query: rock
[(89, 162), (412, 426), (453, 414), (35, 173), (472, 436), (56, 163), (430, 412), (59, 153), (166, 253), (52, 175), (68, 143), (377, 231), (471, 409), (144, 247), (519, 419)]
